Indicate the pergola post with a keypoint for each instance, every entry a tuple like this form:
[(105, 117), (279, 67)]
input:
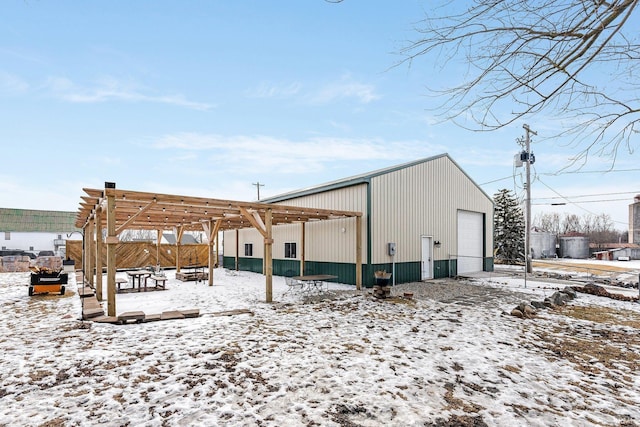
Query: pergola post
[(178, 234), (99, 253), (158, 240), (211, 262), (212, 230), (112, 241), (268, 254), (217, 251), (90, 253), (85, 231), (237, 249)]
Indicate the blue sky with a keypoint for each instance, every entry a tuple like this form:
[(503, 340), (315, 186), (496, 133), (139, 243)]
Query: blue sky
[(205, 98)]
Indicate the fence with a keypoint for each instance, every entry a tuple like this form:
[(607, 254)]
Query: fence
[(142, 254)]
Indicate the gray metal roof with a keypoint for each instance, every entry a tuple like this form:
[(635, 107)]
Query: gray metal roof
[(186, 238), (29, 220), (359, 179)]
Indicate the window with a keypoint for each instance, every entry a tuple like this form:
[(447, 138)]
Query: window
[(289, 250), (7, 235), (248, 249)]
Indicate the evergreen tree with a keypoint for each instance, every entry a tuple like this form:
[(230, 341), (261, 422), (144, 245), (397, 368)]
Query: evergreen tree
[(509, 228)]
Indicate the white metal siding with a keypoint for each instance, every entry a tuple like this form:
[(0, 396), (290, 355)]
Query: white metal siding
[(423, 200), (328, 241)]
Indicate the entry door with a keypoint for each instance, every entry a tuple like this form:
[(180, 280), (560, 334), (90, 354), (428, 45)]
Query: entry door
[(427, 262)]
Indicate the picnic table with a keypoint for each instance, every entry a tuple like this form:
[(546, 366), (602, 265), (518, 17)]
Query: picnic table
[(139, 276), (314, 283)]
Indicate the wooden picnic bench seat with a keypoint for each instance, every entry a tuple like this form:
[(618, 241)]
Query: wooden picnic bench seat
[(120, 281), (158, 281)]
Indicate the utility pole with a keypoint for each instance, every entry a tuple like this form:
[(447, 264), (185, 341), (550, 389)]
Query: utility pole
[(258, 185), (529, 158)]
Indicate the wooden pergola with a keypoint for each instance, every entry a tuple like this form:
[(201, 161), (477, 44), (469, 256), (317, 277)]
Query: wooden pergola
[(117, 210)]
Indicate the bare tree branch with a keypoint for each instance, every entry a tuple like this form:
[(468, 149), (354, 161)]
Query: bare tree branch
[(574, 60)]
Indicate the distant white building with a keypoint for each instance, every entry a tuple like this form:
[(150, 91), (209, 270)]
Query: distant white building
[(37, 230)]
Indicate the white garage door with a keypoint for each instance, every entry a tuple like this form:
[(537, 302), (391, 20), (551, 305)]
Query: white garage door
[(470, 241)]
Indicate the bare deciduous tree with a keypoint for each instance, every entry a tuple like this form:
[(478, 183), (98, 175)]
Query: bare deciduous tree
[(574, 60), (599, 228)]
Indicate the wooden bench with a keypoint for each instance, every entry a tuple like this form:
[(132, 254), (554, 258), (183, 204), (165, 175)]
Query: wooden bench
[(158, 281), (119, 282)]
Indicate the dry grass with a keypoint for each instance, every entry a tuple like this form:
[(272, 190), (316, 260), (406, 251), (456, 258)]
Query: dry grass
[(582, 267), (605, 339), (603, 315)]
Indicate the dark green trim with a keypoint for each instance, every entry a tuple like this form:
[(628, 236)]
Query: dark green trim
[(346, 272), (229, 262), (244, 264), (404, 272), (444, 268), (286, 267)]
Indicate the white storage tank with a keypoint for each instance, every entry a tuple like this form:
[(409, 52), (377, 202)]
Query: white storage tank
[(543, 244), (574, 247)]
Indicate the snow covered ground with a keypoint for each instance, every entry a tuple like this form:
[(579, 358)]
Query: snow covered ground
[(345, 360)]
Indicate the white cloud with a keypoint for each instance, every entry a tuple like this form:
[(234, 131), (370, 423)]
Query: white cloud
[(110, 89), (10, 83), (289, 156), (269, 90), (345, 88)]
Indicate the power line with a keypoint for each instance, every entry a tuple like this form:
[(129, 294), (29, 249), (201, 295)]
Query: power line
[(604, 171), (590, 195), (565, 198), (581, 202), (497, 180), (577, 204), (563, 173)]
